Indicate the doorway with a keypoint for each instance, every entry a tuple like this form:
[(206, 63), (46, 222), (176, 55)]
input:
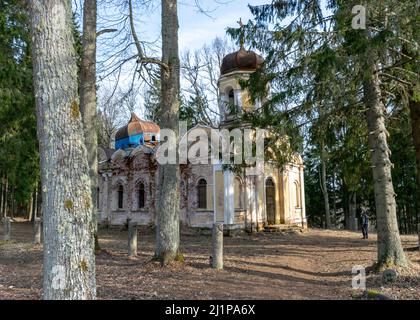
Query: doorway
[(270, 201)]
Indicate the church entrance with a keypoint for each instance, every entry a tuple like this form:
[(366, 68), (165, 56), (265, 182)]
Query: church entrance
[(270, 201)]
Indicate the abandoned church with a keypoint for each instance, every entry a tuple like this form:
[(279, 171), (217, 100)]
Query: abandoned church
[(208, 192)]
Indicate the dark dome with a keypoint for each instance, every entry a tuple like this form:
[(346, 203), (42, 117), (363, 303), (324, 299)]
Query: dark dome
[(241, 60)]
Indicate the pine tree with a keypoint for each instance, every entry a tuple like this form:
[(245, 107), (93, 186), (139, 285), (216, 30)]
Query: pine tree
[(355, 66), (19, 160)]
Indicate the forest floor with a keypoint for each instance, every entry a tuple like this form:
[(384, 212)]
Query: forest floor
[(314, 264)]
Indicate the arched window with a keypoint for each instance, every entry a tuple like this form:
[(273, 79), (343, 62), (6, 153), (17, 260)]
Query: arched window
[(231, 96), (269, 183), (202, 194), (120, 196), (237, 191), (141, 196), (297, 194)]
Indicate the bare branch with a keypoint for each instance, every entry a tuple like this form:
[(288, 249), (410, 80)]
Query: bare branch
[(142, 59), (101, 32)]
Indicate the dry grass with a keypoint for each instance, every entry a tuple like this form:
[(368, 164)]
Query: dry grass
[(315, 264)]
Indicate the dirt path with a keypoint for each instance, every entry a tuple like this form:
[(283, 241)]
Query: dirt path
[(315, 264)]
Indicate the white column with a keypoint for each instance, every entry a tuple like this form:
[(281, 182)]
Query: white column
[(105, 201), (259, 195), (229, 205), (238, 95), (255, 204), (222, 104), (264, 199), (248, 200), (292, 200), (104, 198), (214, 195), (302, 196), (251, 203)]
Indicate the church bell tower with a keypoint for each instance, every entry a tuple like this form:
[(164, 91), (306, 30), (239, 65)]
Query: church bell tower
[(234, 100)]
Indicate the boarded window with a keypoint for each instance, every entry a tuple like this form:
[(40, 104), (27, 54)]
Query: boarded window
[(120, 197), (202, 194), (297, 191), (238, 194), (270, 201), (141, 196)]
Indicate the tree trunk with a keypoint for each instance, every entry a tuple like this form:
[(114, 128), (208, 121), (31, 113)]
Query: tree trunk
[(334, 198), (352, 211), (1, 194), (415, 129), (390, 251), (167, 231), (88, 102), (325, 189), (39, 200), (132, 239), (37, 230), (7, 226), (418, 233), (345, 199), (29, 207), (6, 187), (12, 203), (34, 207), (69, 262), (217, 246)]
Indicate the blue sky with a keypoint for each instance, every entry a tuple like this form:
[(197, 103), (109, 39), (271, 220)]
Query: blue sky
[(196, 28)]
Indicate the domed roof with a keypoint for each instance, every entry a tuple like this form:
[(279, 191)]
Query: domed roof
[(136, 126), (241, 60)]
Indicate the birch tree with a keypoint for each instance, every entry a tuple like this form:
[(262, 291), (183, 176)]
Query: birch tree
[(69, 263)]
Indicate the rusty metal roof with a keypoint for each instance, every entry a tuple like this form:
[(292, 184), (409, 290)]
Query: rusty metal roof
[(241, 60), (136, 126)]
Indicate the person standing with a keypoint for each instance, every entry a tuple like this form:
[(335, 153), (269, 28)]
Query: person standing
[(365, 225)]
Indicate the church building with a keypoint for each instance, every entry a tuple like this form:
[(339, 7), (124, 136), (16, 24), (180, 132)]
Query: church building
[(208, 192)]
